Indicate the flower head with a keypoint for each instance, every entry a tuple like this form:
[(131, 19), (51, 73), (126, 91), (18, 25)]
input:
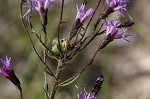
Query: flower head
[(81, 14), (8, 72), (5, 69), (85, 95), (42, 4), (112, 30), (111, 27), (117, 5), (39, 5)]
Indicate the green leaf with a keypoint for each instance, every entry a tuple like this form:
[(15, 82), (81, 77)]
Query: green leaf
[(70, 80)]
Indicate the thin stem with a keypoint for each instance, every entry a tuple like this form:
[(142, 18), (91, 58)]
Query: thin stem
[(56, 82), (32, 44), (21, 94), (38, 37), (102, 44), (96, 34), (98, 3), (85, 30), (106, 12), (86, 67), (44, 55), (60, 22)]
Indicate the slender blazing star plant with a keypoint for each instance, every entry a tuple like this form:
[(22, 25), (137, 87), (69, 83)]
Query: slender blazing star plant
[(64, 50)]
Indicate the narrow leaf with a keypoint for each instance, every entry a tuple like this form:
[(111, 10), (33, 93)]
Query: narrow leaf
[(70, 80)]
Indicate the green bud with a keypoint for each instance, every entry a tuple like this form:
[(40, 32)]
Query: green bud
[(64, 44), (55, 50)]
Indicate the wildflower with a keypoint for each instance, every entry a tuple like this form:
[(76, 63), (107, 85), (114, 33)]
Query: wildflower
[(112, 30), (39, 5), (112, 33), (81, 14), (81, 17), (42, 5), (8, 72), (123, 35), (5, 70), (117, 5), (85, 95)]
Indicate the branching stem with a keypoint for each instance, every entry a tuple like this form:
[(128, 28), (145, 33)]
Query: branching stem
[(56, 82)]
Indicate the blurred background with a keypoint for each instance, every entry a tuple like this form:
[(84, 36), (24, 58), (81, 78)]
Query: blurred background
[(125, 65)]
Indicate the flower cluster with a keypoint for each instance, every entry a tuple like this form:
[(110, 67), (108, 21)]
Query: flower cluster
[(66, 49), (112, 31)]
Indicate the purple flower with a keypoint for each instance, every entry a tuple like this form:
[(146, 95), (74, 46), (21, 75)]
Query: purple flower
[(29, 8), (42, 4), (39, 5), (111, 27), (123, 35), (85, 95), (81, 14), (8, 72), (117, 5), (112, 30), (5, 69)]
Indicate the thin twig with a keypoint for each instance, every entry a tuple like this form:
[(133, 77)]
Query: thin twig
[(60, 22), (21, 94), (56, 82), (96, 34), (32, 44), (44, 56), (85, 30), (87, 66), (98, 3)]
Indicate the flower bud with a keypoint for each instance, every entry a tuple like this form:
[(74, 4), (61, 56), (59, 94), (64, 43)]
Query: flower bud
[(8, 72), (64, 45)]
